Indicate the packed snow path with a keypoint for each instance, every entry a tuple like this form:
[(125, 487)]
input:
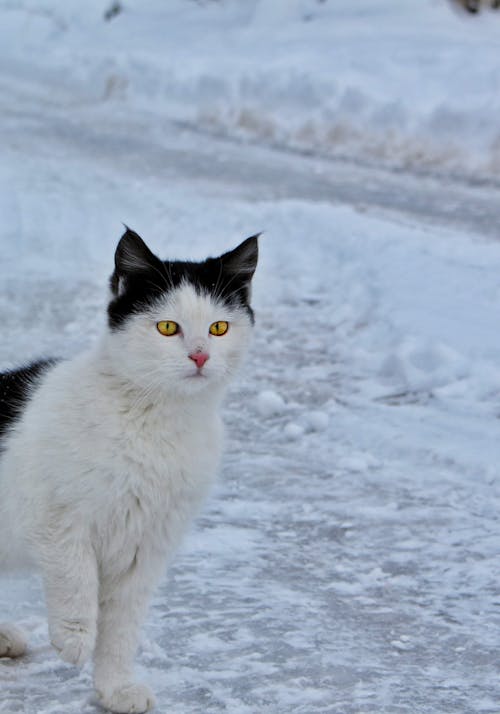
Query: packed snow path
[(348, 561)]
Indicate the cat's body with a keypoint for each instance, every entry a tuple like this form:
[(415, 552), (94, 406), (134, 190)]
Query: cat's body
[(107, 457)]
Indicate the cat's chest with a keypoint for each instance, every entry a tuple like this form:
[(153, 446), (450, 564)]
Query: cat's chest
[(158, 475), (167, 451), (164, 461)]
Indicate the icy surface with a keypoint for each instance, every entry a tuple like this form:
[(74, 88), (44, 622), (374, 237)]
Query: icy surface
[(348, 561)]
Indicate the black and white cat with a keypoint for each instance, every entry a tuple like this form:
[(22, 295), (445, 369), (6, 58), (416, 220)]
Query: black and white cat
[(104, 459)]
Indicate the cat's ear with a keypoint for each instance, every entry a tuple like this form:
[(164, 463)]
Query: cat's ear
[(132, 257), (242, 261)]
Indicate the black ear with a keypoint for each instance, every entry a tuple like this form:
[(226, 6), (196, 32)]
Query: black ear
[(132, 257), (242, 261)]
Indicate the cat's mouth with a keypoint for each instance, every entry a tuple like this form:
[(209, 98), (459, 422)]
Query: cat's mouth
[(199, 374)]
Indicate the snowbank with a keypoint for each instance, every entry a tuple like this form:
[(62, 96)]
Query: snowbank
[(407, 83)]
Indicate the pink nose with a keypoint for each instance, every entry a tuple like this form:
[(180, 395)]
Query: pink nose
[(199, 357)]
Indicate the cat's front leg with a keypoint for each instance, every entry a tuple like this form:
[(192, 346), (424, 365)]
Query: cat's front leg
[(123, 603), (71, 591)]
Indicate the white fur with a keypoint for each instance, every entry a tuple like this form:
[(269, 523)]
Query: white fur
[(105, 470)]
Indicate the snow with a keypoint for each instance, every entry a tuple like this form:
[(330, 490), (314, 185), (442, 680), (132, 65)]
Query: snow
[(348, 559), (270, 403), (410, 84)]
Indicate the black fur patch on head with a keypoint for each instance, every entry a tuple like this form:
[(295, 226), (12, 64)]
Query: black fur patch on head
[(16, 387), (140, 277)]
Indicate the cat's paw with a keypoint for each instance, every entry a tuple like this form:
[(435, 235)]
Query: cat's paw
[(128, 699), (73, 640), (12, 641)]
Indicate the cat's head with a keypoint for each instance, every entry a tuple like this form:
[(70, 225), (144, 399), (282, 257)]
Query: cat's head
[(179, 326)]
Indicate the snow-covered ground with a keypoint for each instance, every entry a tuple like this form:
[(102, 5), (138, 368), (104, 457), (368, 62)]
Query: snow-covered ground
[(348, 562), (407, 82)]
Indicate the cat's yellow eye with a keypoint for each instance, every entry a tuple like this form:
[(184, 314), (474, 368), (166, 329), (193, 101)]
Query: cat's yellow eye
[(219, 328), (167, 327)]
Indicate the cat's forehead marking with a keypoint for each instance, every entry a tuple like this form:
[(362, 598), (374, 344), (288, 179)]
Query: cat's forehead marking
[(188, 301)]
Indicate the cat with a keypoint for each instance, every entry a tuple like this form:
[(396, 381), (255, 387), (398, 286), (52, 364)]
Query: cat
[(105, 458)]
